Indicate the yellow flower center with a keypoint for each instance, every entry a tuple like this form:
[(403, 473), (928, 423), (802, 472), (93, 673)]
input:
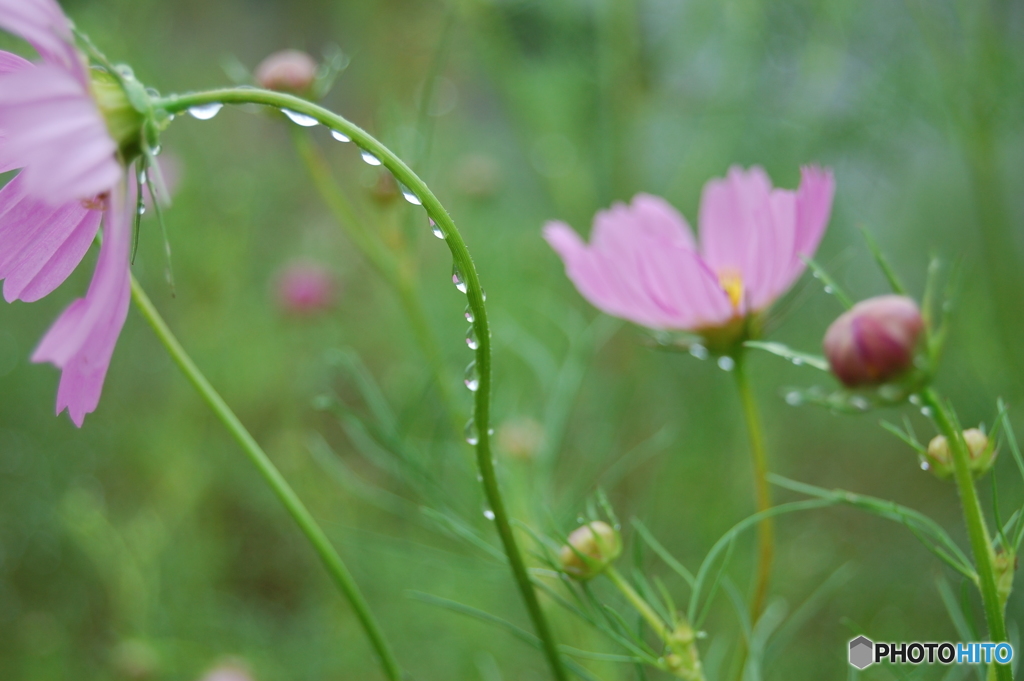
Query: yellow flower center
[(732, 283)]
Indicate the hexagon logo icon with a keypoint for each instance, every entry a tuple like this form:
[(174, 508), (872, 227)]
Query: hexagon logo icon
[(861, 649)]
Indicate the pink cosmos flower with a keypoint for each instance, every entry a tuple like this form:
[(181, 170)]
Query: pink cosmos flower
[(53, 132), (643, 263)]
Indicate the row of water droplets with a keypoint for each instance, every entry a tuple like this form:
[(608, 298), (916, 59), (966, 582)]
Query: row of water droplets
[(205, 112), (471, 377)]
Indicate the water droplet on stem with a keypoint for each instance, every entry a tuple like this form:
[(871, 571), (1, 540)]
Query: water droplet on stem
[(205, 112), (340, 136), (369, 158), (409, 195), (300, 118), (458, 279), (470, 432), (435, 230), (472, 379)]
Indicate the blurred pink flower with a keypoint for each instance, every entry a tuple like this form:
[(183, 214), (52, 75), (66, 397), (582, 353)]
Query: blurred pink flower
[(291, 71), (305, 288), (53, 132), (643, 263)]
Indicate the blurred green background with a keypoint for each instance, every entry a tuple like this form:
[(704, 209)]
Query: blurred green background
[(144, 546)]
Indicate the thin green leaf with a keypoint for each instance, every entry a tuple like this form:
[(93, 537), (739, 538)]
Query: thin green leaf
[(883, 264), (830, 285), (713, 589), (916, 522), (662, 552), (461, 530), (908, 439), (727, 538), (487, 617), (784, 351)]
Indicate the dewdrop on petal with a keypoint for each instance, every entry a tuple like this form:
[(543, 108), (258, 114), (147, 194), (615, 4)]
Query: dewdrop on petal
[(291, 71), (591, 549), (982, 454), (874, 342)]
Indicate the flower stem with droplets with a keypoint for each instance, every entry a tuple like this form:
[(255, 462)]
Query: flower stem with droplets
[(175, 104), (977, 530), (286, 495), (385, 262), (762, 490)]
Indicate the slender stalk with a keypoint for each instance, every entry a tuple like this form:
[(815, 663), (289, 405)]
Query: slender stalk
[(466, 272), (682, 642), (321, 544), (386, 263), (762, 490), (977, 530), (636, 600)]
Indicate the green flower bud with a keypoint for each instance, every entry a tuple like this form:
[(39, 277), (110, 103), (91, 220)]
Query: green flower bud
[(591, 549), (981, 454)]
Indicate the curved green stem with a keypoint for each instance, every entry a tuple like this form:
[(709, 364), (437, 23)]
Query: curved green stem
[(387, 265), (766, 528), (176, 104), (977, 530), (331, 560)]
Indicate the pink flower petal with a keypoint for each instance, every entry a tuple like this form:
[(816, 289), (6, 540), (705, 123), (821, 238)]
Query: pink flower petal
[(641, 266), (42, 24), (81, 341), (735, 227), (55, 132), (9, 62), (813, 209), (40, 245)]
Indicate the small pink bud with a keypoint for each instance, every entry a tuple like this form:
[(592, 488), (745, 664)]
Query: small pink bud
[(874, 342), (289, 71), (305, 288)]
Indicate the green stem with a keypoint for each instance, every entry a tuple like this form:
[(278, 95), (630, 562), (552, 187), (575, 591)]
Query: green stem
[(977, 530), (176, 104), (766, 528), (682, 641), (387, 265), (298, 511), (661, 629)]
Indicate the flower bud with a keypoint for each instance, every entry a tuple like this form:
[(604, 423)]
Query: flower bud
[(591, 549), (981, 454), (874, 342), (291, 71), (305, 288)]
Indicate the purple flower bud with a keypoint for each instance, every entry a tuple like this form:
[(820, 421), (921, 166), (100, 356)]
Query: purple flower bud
[(289, 71), (591, 549), (874, 342), (305, 288)]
